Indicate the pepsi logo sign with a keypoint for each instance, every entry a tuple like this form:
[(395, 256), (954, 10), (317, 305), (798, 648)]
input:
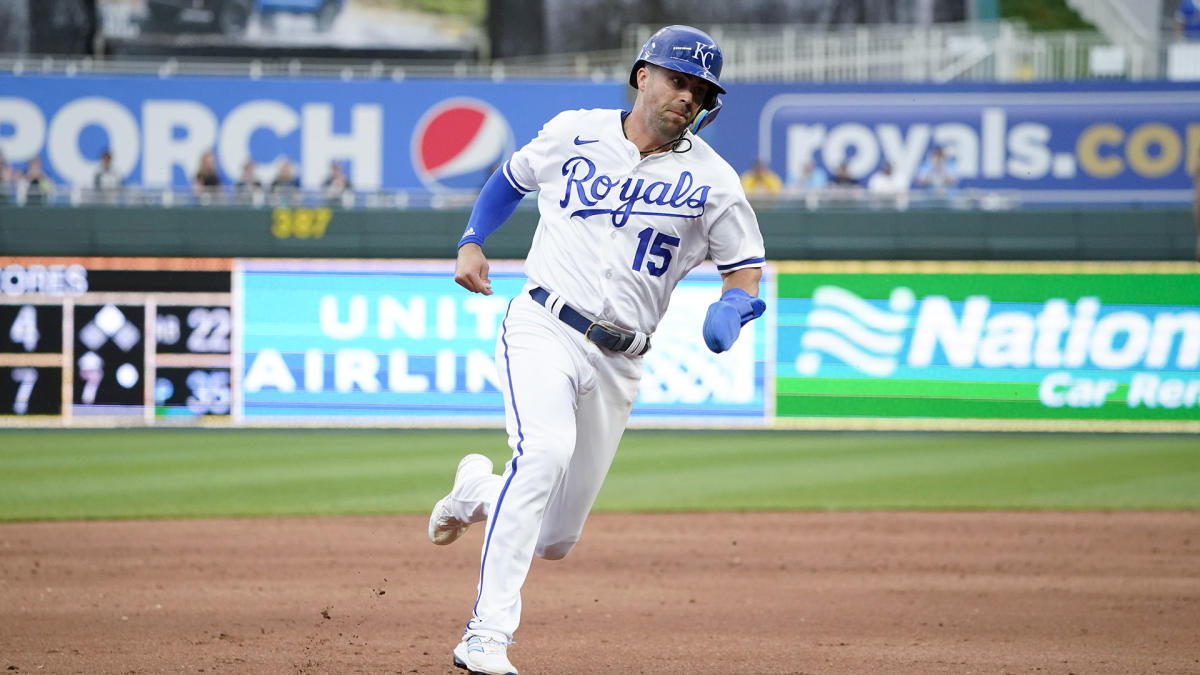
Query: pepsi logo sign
[(457, 144)]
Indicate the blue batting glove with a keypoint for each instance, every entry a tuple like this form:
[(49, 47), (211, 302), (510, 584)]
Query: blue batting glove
[(725, 318)]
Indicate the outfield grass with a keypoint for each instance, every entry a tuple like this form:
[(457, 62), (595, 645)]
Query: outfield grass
[(189, 473)]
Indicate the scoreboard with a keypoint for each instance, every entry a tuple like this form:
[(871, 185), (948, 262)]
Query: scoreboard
[(115, 341)]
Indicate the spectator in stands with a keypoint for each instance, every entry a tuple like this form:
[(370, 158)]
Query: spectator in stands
[(249, 188), (887, 187), (809, 177), (883, 181), (1196, 205), (286, 184), (760, 181), (843, 187), (8, 180), (1187, 20), (207, 183), (842, 177), (107, 181), (36, 183), (337, 185), (938, 173)]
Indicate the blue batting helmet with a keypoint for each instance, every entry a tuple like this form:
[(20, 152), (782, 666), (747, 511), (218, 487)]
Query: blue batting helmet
[(686, 50)]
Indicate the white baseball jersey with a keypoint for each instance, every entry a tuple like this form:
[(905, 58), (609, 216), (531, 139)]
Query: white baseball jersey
[(618, 232)]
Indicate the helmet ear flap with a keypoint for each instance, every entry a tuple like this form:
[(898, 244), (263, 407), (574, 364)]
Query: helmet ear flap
[(706, 116), (633, 73), (644, 65)]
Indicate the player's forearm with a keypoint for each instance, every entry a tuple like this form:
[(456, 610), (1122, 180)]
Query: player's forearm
[(497, 201), (746, 279)]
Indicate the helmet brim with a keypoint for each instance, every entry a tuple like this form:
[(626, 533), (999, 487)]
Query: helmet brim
[(680, 66)]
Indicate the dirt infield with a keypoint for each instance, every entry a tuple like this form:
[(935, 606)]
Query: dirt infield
[(703, 593)]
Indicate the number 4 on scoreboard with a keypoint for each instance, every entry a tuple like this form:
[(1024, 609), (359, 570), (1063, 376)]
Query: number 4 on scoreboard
[(24, 330)]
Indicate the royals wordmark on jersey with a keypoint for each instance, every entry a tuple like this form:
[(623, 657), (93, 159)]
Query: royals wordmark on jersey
[(646, 221)]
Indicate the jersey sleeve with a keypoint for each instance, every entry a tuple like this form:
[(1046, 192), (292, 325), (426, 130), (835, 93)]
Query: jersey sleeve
[(521, 170), (734, 241)]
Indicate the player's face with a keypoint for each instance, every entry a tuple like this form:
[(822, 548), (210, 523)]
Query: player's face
[(672, 99)]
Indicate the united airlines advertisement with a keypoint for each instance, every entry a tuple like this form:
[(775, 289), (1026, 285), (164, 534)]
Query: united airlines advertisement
[(1006, 345), (398, 343), (1070, 143)]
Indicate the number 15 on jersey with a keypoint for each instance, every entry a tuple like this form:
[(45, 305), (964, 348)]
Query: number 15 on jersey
[(659, 246)]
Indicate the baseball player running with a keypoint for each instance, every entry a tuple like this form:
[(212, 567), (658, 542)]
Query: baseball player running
[(629, 203)]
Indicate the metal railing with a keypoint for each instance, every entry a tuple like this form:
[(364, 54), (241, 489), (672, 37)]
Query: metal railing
[(22, 194), (996, 51), (1139, 34), (829, 198), (594, 65)]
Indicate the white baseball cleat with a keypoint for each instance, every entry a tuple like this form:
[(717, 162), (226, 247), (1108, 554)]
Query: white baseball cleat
[(444, 528), (480, 655)]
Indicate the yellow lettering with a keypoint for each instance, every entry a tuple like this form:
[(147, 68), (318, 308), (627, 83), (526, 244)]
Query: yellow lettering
[(302, 224), (1087, 150), (1193, 148), (323, 216), (1137, 150), (281, 223)]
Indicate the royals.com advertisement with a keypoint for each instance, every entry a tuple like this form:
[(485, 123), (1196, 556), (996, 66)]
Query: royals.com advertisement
[(989, 342), (1062, 142), (1055, 143), (374, 342)]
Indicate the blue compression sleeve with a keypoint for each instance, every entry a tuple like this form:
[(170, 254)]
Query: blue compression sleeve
[(497, 201)]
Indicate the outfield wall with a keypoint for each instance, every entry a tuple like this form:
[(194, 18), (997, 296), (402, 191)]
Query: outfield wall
[(843, 345), (789, 230)]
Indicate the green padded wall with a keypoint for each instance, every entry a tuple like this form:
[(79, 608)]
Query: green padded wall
[(790, 233)]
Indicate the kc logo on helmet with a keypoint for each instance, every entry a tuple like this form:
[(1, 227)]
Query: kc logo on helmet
[(458, 143)]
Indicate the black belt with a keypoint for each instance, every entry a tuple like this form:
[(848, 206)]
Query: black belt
[(605, 335)]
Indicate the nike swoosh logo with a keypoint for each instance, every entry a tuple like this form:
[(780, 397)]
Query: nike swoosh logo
[(580, 141)]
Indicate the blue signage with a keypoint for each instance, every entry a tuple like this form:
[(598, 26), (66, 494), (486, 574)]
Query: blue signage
[(422, 134), (1065, 142), (398, 343), (1057, 142)]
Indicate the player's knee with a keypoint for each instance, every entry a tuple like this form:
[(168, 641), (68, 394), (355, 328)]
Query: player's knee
[(557, 550)]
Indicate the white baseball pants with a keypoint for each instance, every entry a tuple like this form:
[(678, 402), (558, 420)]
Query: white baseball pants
[(566, 402)]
